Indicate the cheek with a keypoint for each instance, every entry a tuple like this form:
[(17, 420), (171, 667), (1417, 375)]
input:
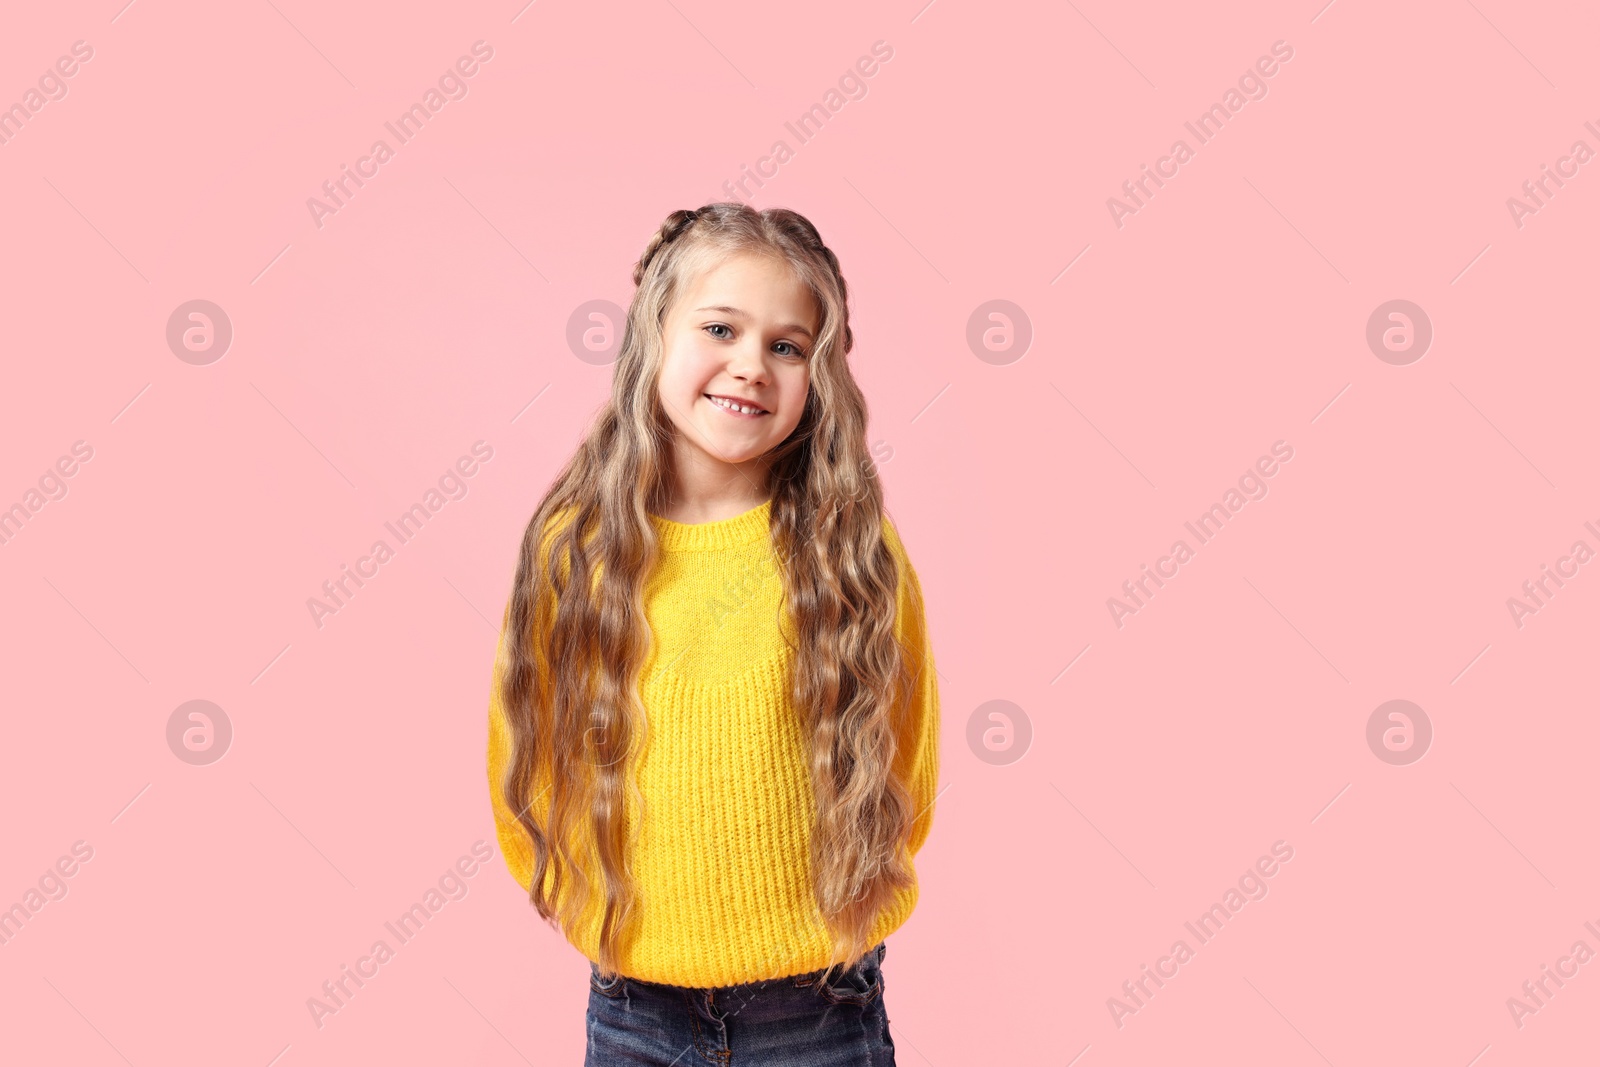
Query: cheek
[(797, 388), (794, 398), (678, 376), (686, 368), (677, 397)]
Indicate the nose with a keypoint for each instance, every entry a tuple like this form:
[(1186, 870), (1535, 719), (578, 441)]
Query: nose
[(748, 362)]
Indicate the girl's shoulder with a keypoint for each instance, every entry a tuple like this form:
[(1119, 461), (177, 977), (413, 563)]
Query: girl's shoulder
[(910, 586)]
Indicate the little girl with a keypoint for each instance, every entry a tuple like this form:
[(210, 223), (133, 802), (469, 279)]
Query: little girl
[(714, 721)]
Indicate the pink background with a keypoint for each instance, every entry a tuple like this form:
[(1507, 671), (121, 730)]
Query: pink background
[(1228, 313)]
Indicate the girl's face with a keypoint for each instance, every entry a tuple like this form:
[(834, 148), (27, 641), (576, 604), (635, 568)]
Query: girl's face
[(744, 330)]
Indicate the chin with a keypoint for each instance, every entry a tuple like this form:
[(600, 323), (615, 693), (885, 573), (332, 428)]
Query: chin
[(742, 454)]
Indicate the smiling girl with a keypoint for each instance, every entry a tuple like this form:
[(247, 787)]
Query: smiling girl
[(714, 720)]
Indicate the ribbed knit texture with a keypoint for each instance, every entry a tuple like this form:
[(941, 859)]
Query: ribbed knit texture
[(723, 856)]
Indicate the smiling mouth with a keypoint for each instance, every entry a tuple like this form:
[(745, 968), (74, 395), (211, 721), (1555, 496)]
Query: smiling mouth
[(740, 411)]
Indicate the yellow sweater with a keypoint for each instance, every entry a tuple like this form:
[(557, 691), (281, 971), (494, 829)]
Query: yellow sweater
[(723, 856)]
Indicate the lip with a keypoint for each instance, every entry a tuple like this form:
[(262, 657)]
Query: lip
[(763, 413)]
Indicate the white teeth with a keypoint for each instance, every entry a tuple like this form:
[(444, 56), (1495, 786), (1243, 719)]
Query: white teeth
[(735, 407)]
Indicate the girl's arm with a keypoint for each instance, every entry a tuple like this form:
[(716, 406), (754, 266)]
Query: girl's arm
[(918, 756)]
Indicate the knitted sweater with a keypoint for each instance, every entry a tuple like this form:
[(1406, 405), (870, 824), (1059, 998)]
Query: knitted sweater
[(722, 862)]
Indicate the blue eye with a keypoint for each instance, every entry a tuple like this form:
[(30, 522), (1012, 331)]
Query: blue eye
[(793, 353)]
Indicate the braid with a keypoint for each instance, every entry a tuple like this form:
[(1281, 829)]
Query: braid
[(814, 244), (846, 338), (776, 227), (670, 230)]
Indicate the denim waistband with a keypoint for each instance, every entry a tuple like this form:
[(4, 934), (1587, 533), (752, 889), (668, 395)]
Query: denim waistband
[(875, 955)]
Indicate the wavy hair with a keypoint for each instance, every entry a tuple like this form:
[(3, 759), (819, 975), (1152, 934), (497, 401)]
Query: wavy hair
[(573, 661)]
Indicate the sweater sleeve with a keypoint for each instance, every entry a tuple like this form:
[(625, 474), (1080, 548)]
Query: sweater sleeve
[(918, 756)]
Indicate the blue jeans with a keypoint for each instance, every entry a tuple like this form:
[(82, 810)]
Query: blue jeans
[(796, 1021)]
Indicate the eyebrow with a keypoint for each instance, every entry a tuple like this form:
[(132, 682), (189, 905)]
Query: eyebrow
[(736, 313)]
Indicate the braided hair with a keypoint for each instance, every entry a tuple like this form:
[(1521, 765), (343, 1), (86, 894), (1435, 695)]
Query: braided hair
[(670, 230), (779, 222)]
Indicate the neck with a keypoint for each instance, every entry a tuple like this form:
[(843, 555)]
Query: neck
[(708, 491)]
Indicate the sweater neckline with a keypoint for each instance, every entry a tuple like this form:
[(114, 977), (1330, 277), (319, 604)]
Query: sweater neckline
[(732, 532)]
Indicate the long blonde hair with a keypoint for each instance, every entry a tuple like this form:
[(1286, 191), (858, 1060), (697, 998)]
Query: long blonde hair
[(573, 661)]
